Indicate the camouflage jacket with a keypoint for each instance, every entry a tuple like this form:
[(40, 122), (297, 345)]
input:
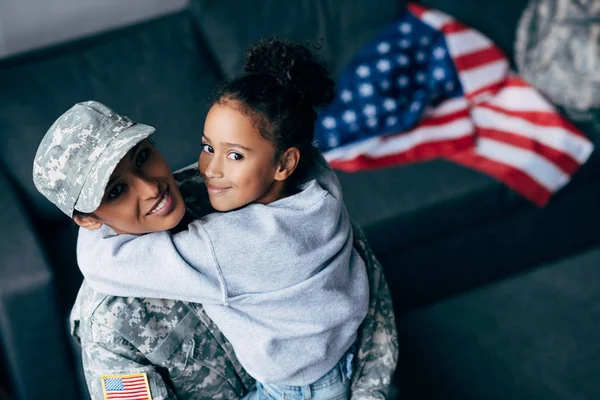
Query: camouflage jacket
[(557, 49), (183, 353)]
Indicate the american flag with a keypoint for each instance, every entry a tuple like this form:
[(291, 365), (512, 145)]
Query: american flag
[(429, 86), (126, 387)]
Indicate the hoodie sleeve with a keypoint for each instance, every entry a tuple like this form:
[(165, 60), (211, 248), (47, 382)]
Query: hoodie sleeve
[(155, 265)]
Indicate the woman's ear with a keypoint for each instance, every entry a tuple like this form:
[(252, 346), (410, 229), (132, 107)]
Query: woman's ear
[(288, 162), (88, 222)]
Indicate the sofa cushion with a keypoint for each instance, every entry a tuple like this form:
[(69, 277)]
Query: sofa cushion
[(229, 26), (530, 337), (493, 248), (156, 73), (31, 329), (399, 207)]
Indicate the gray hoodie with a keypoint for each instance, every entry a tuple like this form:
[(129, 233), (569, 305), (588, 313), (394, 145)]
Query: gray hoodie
[(282, 281)]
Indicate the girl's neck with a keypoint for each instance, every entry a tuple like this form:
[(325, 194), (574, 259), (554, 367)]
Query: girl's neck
[(277, 191)]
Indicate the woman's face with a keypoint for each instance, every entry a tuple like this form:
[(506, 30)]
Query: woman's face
[(141, 195), (237, 163)]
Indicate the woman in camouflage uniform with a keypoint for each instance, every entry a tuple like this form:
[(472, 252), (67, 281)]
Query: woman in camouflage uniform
[(173, 344), (169, 349)]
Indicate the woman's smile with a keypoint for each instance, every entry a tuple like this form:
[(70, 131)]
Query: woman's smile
[(164, 206), (143, 196)]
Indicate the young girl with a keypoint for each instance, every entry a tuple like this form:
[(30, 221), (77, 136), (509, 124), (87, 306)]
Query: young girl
[(276, 269)]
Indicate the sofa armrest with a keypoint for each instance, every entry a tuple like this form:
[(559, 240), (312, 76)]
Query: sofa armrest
[(32, 332)]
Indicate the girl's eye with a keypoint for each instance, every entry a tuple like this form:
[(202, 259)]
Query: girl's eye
[(142, 157), (235, 156), (116, 191), (207, 148)]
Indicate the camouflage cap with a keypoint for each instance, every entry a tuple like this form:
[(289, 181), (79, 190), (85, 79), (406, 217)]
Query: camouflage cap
[(80, 151)]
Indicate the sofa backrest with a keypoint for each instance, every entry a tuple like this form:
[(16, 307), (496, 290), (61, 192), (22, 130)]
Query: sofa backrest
[(229, 26), (345, 26), (156, 72)]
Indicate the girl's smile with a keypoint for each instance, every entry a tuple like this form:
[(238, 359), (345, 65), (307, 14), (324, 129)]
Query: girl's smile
[(215, 190)]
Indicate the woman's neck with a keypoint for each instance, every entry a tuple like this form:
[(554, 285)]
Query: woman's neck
[(183, 224)]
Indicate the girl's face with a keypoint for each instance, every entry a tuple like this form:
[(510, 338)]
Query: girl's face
[(237, 163), (141, 195)]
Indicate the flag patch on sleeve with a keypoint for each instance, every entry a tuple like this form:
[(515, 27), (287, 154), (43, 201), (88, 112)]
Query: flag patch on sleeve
[(126, 387)]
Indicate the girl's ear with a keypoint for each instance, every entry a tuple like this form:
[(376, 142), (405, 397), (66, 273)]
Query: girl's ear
[(88, 222), (287, 164)]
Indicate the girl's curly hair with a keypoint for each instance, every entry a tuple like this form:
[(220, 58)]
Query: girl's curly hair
[(282, 85)]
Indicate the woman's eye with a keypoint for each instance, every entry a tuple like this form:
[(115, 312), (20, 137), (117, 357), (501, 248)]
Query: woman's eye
[(142, 157), (116, 191), (235, 156), (207, 148)]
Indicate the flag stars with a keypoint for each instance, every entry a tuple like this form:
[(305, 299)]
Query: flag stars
[(383, 47), (329, 123), (349, 116), (333, 140), (402, 60), (405, 28), (403, 81), (363, 71), (383, 65), (398, 76), (346, 96), (439, 53), (370, 110), (365, 90), (404, 43), (389, 104)]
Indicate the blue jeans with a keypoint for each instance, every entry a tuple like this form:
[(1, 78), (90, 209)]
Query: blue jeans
[(333, 385)]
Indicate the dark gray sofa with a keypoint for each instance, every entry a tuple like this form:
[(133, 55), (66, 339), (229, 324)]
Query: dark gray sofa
[(438, 228)]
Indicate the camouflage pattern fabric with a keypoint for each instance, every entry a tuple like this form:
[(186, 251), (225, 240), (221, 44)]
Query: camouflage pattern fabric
[(77, 155), (378, 340), (180, 349), (184, 354), (558, 51)]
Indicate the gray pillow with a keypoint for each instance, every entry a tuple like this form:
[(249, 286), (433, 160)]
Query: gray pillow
[(558, 51), (229, 26)]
